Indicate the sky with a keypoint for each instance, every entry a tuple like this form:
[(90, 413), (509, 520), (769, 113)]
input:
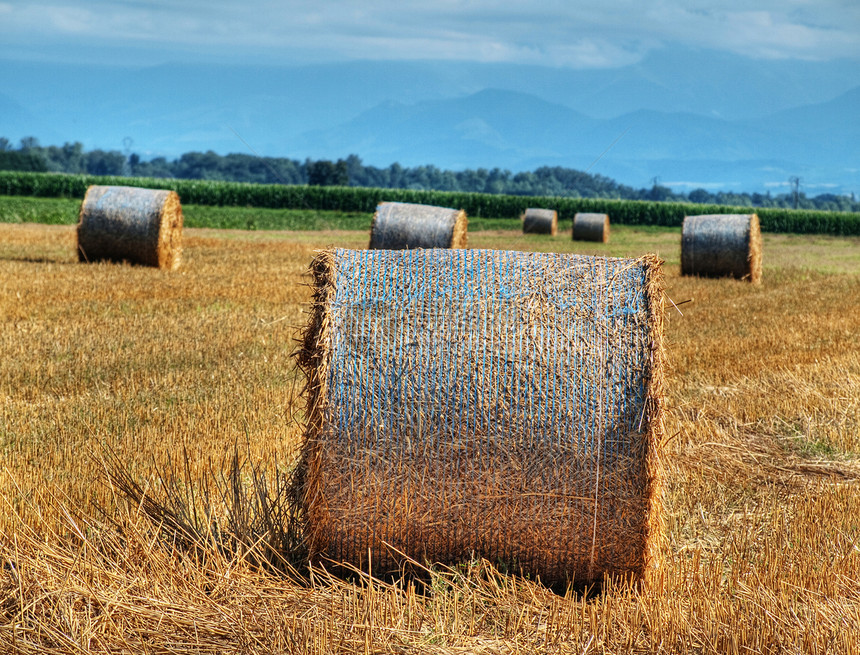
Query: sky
[(559, 33)]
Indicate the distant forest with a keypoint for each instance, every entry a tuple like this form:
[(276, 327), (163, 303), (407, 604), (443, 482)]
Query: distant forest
[(543, 181)]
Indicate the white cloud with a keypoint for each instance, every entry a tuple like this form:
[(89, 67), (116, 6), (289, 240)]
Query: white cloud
[(767, 35), (555, 32), (71, 20), (779, 31)]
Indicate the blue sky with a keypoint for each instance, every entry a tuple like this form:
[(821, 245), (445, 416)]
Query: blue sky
[(565, 33)]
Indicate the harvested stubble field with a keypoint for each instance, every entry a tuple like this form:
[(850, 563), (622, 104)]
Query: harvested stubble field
[(177, 373)]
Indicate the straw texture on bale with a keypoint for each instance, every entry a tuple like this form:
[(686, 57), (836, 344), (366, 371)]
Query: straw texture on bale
[(141, 226), (722, 245), (591, 227), (403, 226), (495, 403), (540, 221)]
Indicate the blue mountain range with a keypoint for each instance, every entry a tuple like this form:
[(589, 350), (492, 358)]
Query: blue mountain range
[(686, 118)]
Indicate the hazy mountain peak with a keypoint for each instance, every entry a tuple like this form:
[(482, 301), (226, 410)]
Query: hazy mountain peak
[(689, 115)]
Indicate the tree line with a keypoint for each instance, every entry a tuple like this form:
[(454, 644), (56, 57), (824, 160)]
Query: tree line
[(351, 171)]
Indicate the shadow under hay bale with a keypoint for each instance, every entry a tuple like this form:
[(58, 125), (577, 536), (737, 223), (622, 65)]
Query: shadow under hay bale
[(403, 226), (540, 221), (141, 226), (591, 227), (722, 245), (482, 403)]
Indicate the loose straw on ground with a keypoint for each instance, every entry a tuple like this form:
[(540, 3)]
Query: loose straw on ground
[(540, 221), (403, 226), (141, 226), (591, 227), (495, 403), (722, 245)]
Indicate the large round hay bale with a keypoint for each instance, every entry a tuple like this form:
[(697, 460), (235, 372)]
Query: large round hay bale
[(591, 227), (141, 226), (403, 226), (540, 221), (495, 403), (722, 245)]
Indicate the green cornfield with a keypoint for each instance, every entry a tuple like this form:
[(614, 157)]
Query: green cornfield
[(476, 205)]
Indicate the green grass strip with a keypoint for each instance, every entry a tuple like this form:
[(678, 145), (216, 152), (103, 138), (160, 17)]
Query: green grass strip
[(64, 211), (357, 200)]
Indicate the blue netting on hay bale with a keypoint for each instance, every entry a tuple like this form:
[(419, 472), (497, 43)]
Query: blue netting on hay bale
[(492, 403)]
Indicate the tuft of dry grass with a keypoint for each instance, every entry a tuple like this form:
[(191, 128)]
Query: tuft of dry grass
[(170, 371)]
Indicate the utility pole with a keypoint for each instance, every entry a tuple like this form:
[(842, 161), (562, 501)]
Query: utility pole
[(127, 143), (794, 181), (655, 181)]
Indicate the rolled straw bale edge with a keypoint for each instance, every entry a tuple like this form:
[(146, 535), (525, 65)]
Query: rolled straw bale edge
[(755, 247), (170, 233), (655, 538), (460, 230), (373, 228), (313, 357)]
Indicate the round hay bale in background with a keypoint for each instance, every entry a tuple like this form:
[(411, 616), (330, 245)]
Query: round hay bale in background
[(591, 227), (141, 226), (722, 245), (501, 404), (540, 221), (403, 226)]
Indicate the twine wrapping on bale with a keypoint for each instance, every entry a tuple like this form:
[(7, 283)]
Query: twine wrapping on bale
[(141, 226), (540, 221), (591, 227), (491, 403), (722, 245), (403, 226)]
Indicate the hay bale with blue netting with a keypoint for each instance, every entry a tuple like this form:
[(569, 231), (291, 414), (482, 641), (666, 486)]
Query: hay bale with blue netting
[(722, 245), (140, 226), (540, 221), (403, 226), (498, 404)]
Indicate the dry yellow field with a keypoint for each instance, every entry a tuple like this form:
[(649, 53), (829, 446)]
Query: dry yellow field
[(178, 371)]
